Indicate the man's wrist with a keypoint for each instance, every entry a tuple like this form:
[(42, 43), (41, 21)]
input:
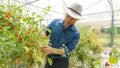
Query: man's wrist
[(59, 51)]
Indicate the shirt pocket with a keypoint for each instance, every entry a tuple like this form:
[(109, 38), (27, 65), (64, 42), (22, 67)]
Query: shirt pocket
[(68, 37)]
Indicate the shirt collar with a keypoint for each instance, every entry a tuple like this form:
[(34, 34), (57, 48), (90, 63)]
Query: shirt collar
[(72, 27)]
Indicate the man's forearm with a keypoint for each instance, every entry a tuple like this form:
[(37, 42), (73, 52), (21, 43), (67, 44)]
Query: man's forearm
[(51, 50), (59, 51)]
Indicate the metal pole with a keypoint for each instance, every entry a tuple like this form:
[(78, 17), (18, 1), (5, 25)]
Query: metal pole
[(112, 33), (112, 24)]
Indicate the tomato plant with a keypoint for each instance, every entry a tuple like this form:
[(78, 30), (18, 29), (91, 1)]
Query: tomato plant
[(88, 49), (20, 37)]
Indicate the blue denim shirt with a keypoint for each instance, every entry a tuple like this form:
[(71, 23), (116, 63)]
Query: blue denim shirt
[(62, 37)]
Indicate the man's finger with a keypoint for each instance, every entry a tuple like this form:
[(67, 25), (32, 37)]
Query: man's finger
[(44, 50), (39, 48), (46, 53), (44, 46)]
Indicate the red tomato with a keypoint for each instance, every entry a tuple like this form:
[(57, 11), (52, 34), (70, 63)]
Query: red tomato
[(1, 28), (10, 22), (8, 15), (16, 61)]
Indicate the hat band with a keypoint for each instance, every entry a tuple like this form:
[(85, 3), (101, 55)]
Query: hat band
[(74, 11)]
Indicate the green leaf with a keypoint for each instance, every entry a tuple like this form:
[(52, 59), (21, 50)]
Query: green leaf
[(114, 51), (44, 27), (97, 62), (3, 38), (25, 19), (113, 60), (41, 18), (33, 13), (19, 9), (49, 61), (49, 30), (26, 49), (39, 63), (3, 6), (49, 7)]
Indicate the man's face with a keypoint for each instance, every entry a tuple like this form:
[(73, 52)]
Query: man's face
[(70, 20)]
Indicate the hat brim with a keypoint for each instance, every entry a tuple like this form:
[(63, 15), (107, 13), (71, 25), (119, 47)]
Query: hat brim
[(71, 13)]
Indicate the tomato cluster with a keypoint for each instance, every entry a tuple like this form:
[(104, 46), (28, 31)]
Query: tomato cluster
[(20, 37)]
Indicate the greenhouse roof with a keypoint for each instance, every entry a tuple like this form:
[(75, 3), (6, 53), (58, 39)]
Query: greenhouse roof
[(93, 10)]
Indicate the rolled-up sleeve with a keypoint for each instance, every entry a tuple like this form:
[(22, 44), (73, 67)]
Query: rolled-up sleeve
[(71, 45)]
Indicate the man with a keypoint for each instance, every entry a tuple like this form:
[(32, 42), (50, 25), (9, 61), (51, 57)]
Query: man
[(63, 38)]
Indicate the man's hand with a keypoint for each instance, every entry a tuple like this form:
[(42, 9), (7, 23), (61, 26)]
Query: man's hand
[(50, 50), (47, 49)]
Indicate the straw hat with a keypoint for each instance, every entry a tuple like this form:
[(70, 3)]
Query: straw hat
[(74, 10)]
